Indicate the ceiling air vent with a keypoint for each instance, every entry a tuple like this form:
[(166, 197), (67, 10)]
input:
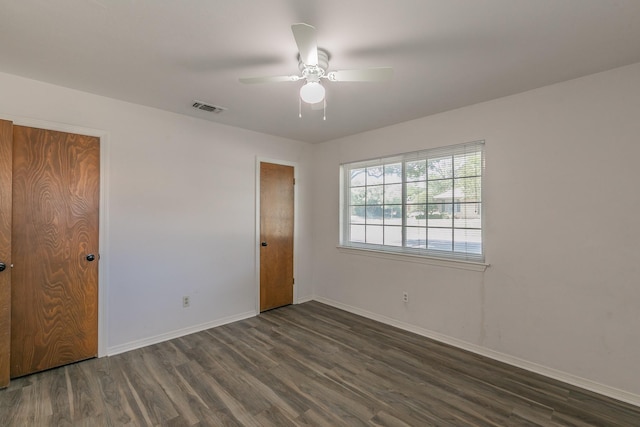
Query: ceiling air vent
[(208, 107)]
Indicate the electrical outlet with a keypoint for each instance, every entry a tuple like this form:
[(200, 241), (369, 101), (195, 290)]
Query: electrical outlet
[(405, 297), (186, 301)]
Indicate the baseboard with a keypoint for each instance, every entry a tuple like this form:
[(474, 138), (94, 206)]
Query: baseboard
[(305, 299), (605, 390), (133, 345)]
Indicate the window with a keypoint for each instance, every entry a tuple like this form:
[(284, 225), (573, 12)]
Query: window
[(426, 202)]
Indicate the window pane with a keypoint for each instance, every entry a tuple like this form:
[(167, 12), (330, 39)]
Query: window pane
[(444, 210), (357, 177), (441, 191), (393, 236), (357, 215), (375, 175), (374, 215), (357, 196), (417, 192), (468, 188), (440, 239), (468, 216), (393, 173), (357, 233), (374, 234), (374, 195), (392, 194), (416, 215), (468, 164), (439, 209), (416, 237), (416, 171), (468, 241), (439, 217), (439, 168), (393, 215)]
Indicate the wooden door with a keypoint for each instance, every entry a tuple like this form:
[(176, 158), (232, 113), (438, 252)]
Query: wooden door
[(6, 140), (276, 235), (54, 297)]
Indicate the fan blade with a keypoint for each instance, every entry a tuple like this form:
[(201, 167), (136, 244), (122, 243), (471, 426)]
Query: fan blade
[(366, 75), (272, 79), (305, 36)]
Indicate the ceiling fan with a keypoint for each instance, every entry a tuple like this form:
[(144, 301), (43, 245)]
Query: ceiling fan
[(314, 65)]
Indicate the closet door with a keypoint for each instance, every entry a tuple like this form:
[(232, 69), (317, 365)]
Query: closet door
[(54, 293), (276, 235), (6, 138)]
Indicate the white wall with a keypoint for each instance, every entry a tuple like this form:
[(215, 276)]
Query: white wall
[(562, 233), (181, 210)]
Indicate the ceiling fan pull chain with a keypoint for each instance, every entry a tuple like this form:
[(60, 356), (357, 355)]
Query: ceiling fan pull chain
[(324, 110), (299, 107)]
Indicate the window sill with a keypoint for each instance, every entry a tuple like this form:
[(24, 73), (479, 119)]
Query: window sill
[(420, 259)]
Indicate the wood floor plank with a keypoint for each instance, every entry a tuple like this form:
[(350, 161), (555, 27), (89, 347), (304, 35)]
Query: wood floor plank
[(132, 404), (86, 388), (302, 365), (213, 411), (316, 418), (274, 417), (40, 400), (9, 404), (61, 397), (178, 392), (116, 404), (150, 396), (383, 418)]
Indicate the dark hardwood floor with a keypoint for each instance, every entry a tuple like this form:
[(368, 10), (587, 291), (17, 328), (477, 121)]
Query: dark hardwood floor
[(308, 364)]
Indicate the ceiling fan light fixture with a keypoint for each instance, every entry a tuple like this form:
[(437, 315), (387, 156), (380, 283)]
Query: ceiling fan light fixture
[(312, 92)]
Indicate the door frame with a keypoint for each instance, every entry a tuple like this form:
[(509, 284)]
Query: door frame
[(103, 241), (256, 251)]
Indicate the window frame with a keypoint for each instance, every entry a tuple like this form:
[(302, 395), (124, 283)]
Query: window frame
[(442, 257)]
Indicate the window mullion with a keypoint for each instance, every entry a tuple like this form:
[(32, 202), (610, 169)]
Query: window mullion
[(404, 204), (453, 202), (346, 218), (426, 203)]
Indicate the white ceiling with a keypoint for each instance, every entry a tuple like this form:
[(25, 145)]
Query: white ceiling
[(445, 53)]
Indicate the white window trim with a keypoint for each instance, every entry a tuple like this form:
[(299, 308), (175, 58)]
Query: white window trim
[(416, 258), (402, 253)]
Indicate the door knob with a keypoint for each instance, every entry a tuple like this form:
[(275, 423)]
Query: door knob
[(263, 244), (91, 257), (2, 266)]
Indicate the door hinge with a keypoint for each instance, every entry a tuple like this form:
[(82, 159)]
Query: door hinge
[(294, 181), (294, 280)]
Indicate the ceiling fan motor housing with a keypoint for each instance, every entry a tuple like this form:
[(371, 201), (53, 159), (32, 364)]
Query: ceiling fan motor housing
[(320, 69)]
